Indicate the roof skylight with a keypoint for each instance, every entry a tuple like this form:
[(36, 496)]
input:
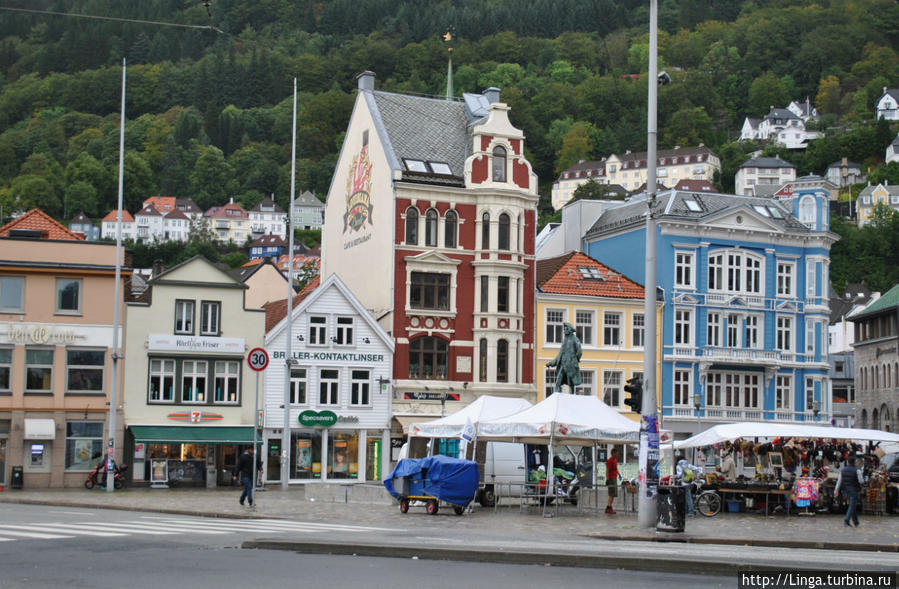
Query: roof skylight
[(590, 273), (692, 205)]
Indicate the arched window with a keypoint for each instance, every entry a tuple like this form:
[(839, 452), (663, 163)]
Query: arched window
[(485, 231), (499, 164), (502, 361), (428, 358), (431, 228), (503, 232), (807, 211), (864, 418), (412, 226), (482, 360), (449, 229), (875, 420)]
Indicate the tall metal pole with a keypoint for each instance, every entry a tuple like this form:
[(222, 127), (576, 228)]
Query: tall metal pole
[(288, 354), (647, 513), (256, 439), (113, 395)]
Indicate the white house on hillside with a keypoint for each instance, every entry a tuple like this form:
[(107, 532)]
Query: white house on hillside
[(887, 106), (780, 125)]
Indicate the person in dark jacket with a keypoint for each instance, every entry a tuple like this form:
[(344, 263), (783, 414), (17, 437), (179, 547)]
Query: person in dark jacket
[(850, 483), (244, 470)]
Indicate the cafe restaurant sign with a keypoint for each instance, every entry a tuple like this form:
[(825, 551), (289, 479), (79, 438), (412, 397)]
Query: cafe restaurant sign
[(191, 343), (311, 418)]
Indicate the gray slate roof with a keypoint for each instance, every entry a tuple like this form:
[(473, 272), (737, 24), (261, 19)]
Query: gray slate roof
[(670, 205), (781, 113), (307, 199), (767, 162), (426, 129)]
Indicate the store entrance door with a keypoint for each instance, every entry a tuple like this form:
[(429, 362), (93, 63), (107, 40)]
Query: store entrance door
[(273, 461), (2, 460)]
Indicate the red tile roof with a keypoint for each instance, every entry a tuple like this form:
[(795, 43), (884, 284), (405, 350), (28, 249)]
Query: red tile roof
[(38, 220), (564, 275), (275, 311), (126, 216), (163, 204)]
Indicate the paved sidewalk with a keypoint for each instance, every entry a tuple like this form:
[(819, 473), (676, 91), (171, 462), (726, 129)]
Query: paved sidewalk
[(876, 533)]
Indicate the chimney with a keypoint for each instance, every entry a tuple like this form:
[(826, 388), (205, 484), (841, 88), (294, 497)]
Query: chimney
[(492, 94), (158, 268), (366, 81)]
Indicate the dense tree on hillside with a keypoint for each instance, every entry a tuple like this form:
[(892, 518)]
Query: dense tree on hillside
[(209, 111)]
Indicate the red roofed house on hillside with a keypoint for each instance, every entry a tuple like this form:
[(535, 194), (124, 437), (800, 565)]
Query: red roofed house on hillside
[(606, 309), (109, 225)]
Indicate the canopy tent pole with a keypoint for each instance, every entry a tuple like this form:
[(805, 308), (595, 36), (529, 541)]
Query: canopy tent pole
[(549, 470)]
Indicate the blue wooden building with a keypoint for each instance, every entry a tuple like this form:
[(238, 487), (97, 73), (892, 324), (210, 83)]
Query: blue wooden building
[(745, 282)]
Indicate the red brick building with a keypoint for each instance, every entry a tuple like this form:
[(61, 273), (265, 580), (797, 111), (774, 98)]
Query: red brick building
[(431, 222)]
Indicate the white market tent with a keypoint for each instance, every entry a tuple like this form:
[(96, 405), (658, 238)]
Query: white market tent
[(576, 420), (729, 432), (484, 408)]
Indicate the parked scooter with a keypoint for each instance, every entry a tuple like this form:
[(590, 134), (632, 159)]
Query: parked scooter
[(97, 477)]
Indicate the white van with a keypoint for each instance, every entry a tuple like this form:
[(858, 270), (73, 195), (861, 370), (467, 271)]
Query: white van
[(505, 467)]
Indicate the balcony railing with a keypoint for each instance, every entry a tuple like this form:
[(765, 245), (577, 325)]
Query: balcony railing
[(732, 414)]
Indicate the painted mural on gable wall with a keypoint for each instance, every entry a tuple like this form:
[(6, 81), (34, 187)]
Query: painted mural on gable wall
[(358, 195)]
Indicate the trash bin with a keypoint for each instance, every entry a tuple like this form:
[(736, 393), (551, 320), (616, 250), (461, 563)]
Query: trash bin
[(672, 506), (17, 479)]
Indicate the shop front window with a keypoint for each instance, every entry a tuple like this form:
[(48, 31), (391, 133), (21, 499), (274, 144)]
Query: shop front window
[(84, 444), (305, 455), (343, 455)]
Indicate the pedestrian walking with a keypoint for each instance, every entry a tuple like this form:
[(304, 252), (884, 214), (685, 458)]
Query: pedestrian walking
[(244, 470), (850, 482), (612, 479)]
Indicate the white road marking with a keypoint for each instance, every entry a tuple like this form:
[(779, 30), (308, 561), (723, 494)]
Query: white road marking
[(64, 529)]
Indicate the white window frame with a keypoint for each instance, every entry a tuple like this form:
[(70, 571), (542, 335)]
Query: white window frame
[(228, 372), (613, 388), (344, 331), (716, 272), (611, 329), (328, 388), (811, 272), (587, 386), (714, 389), (554, 327), (210, 318), (184, 322), (682, 396), (638, 330), (736, 271), (784, 333), (199, 371), (685, 270), (786, 279), (549, 381), (6, 287), (783, 391), (161, 374), (713, 329), (752, 331), (683, 320), (583, 325), (734, 325), (318, 331), (360, 387), (299, 386)]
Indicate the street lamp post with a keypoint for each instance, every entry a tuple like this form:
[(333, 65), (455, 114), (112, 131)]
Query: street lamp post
[(647, 511)]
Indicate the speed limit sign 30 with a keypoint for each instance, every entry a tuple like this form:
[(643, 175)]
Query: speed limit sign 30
[(258, 359)]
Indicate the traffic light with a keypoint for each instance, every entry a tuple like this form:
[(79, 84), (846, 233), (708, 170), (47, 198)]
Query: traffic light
[(634, 386)]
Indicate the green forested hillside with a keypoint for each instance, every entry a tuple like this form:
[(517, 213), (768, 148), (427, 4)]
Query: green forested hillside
[(209, 87)]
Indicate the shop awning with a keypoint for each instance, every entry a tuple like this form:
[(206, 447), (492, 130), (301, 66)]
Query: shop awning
[(40, 429), (199, 434), (404, 421)]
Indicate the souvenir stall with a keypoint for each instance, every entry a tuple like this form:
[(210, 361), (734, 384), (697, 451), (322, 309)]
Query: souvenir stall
[(790, 467)]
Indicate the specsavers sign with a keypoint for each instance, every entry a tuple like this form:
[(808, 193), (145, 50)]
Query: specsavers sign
[(189, 343), (318, 418)]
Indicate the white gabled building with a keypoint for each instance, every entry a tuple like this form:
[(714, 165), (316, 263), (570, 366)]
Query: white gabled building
[(340, 394), (267, 218)]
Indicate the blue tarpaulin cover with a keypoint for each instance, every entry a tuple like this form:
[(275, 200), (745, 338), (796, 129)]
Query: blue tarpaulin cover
[(448, 479)]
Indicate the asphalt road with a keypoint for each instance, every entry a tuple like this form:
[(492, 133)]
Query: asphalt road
[(49, 547)]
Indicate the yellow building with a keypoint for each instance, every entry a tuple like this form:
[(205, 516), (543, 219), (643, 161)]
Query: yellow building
[(606, 310)]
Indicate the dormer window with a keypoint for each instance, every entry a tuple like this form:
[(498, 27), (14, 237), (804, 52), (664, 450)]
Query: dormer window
[(499, 164)]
